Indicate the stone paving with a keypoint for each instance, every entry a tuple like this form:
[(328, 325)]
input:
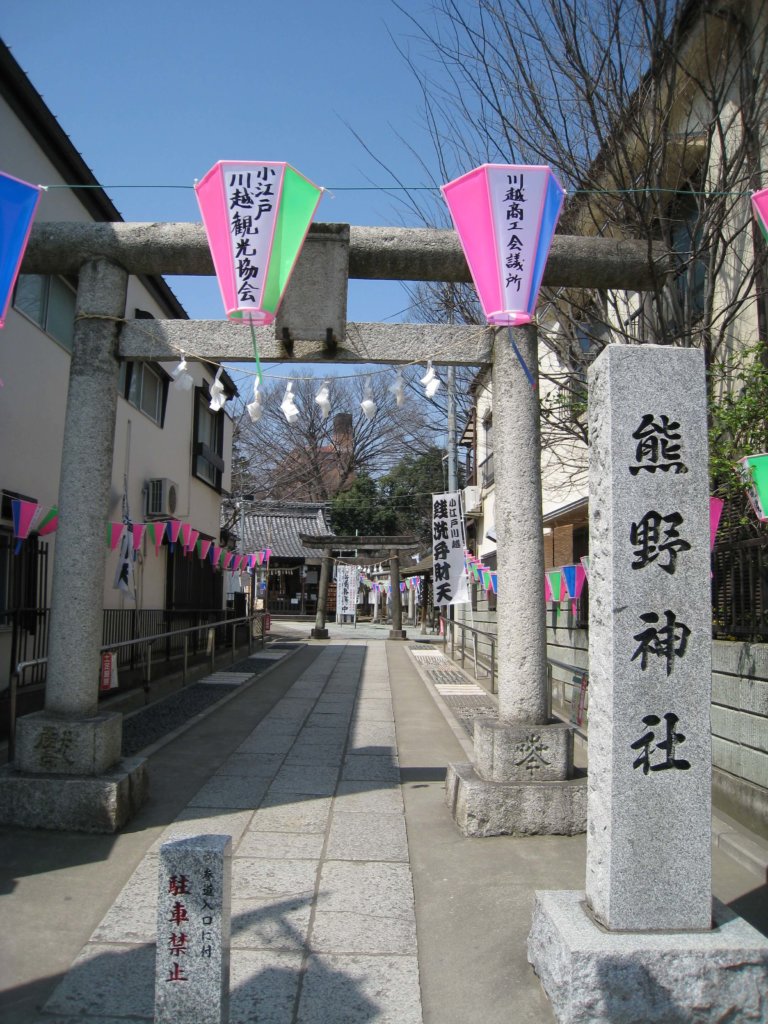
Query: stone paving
[(467, 700), (323, 920)]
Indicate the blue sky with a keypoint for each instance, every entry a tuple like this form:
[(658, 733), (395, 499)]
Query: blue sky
[(154, 93)]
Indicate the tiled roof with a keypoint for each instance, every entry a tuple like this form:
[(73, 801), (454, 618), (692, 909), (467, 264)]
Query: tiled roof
[(277, 525)]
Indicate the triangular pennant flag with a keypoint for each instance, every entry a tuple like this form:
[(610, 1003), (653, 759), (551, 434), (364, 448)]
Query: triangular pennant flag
[(114, 533), (156, 532), (205, 547), (215, 554), (193, 535), (495, 582), (547, 589), (24, 513), (138, 534), (49, 522), (174, 528), (585, 564), (186, 532), (715, 511)]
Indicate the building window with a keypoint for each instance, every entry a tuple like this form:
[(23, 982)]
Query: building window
[(50, 303), (207, 458), (145, 388), (690, 280)]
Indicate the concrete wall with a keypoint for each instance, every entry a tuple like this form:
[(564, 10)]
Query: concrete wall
[(739, 714)]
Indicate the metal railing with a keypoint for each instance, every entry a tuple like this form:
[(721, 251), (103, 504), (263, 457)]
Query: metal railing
[(210, 627), (483, 648), (573, 707)]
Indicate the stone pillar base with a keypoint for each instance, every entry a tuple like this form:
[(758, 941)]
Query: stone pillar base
[(596, 976), (398, 634), (79, 803), (319, 634), (47, 743), (482, 807), (520, 752)]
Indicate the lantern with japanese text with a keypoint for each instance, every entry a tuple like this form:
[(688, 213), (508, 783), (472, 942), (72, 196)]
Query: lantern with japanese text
[(256, 215), (753, 470), (760, 206), (18, 202), (505, 216)]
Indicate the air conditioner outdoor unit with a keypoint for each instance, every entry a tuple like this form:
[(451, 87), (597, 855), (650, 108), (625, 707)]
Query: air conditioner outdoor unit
[(473, 504), (160, 498)]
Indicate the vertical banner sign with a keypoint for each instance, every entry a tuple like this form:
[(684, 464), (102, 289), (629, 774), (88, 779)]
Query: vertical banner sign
[(448, 546), (256, 216), (346, 591), (650, 641)]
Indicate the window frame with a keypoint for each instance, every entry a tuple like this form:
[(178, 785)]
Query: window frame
[(48, 282), (202, 451)]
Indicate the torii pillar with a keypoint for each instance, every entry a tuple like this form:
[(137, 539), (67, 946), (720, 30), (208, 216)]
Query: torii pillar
[(521, 780)]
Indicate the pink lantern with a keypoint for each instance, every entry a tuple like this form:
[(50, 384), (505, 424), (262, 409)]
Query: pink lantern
[(18, 203), (760, 207), (505, 216), (256, 215)]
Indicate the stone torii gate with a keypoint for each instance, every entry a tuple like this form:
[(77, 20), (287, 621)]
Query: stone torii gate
[(370, 544), (68, 771)]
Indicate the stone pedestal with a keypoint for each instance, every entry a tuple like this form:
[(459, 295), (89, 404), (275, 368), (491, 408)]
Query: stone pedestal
[(48, 743), (521, 782), (319, 634), (398, 634), (593, 976), (640, 943), (78, 803)]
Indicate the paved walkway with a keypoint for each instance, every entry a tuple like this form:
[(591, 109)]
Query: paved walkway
[(355, 899)]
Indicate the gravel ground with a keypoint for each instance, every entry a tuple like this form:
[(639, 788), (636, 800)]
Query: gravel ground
[(155, 721)]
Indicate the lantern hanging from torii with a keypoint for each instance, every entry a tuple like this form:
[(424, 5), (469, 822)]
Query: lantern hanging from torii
[(256, 215), (505, 216)]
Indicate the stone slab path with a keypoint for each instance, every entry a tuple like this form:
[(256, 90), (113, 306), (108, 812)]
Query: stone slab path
[(323, 920)]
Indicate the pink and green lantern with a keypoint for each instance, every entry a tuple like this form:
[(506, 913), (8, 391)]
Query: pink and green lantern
[(18, 203), (505, 216), (760, 207), (574, 578), (256, 215), (753, 470)]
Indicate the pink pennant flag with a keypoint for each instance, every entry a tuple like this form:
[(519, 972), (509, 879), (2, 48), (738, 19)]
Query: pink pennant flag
[(229, 558), (715, 511), (267, 554), (114, 533), (186, 530), (205, 547), (156, 532), (547, 589), (50, 521), (23, 517), (216, 554), (174, 529), (193, 535), (237, 562), (260, 557), (139, 530)]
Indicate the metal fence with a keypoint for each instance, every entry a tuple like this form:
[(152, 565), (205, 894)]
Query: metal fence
[(740, 589)]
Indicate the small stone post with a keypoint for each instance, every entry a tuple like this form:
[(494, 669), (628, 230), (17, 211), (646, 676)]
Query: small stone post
[(643, 938), (396, 632), (521, 780), (71, 739), (193, 931), (320, 632)]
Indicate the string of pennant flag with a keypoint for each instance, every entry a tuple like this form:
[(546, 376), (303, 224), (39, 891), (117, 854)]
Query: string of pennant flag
[(30, 517)]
